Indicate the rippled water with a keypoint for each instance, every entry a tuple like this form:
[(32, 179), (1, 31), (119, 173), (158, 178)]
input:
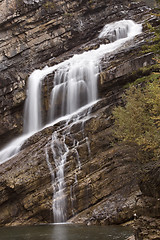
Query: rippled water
[(65, 232)]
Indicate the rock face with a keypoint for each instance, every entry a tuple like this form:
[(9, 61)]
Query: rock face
[(147, 224), (102, 183)]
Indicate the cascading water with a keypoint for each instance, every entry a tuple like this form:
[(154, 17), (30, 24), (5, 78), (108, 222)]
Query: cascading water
[(32, 113), (59, 151), (75, 85), (116, 30)]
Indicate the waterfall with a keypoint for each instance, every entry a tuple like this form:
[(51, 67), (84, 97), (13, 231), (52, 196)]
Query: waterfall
[(119, 30), (76, 83), (74, 87), (32, 112), (59, 151)]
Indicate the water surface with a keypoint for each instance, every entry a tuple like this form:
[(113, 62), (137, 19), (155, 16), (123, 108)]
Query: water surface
[(65, 232)]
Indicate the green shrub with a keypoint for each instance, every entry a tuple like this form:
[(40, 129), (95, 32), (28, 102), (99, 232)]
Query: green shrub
[(139, 120)]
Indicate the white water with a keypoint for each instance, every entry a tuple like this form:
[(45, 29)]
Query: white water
[(59, 151), (76, 83), (75, 86), (119, 30), (32, 112), (13, 148)]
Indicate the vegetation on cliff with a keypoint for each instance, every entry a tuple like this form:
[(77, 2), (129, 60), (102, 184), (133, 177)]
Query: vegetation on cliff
[(138, 120)]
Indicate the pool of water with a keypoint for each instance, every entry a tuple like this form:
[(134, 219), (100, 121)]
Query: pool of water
[(65, 232)]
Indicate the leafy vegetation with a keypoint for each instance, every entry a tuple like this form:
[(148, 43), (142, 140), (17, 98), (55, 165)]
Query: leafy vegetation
[(138, 121), (155, 46)]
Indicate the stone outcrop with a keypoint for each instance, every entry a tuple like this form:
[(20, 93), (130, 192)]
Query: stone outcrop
[(102, 179), (148, 222)]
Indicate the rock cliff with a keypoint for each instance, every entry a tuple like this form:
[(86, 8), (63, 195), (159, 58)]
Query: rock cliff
[(102, 183)]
